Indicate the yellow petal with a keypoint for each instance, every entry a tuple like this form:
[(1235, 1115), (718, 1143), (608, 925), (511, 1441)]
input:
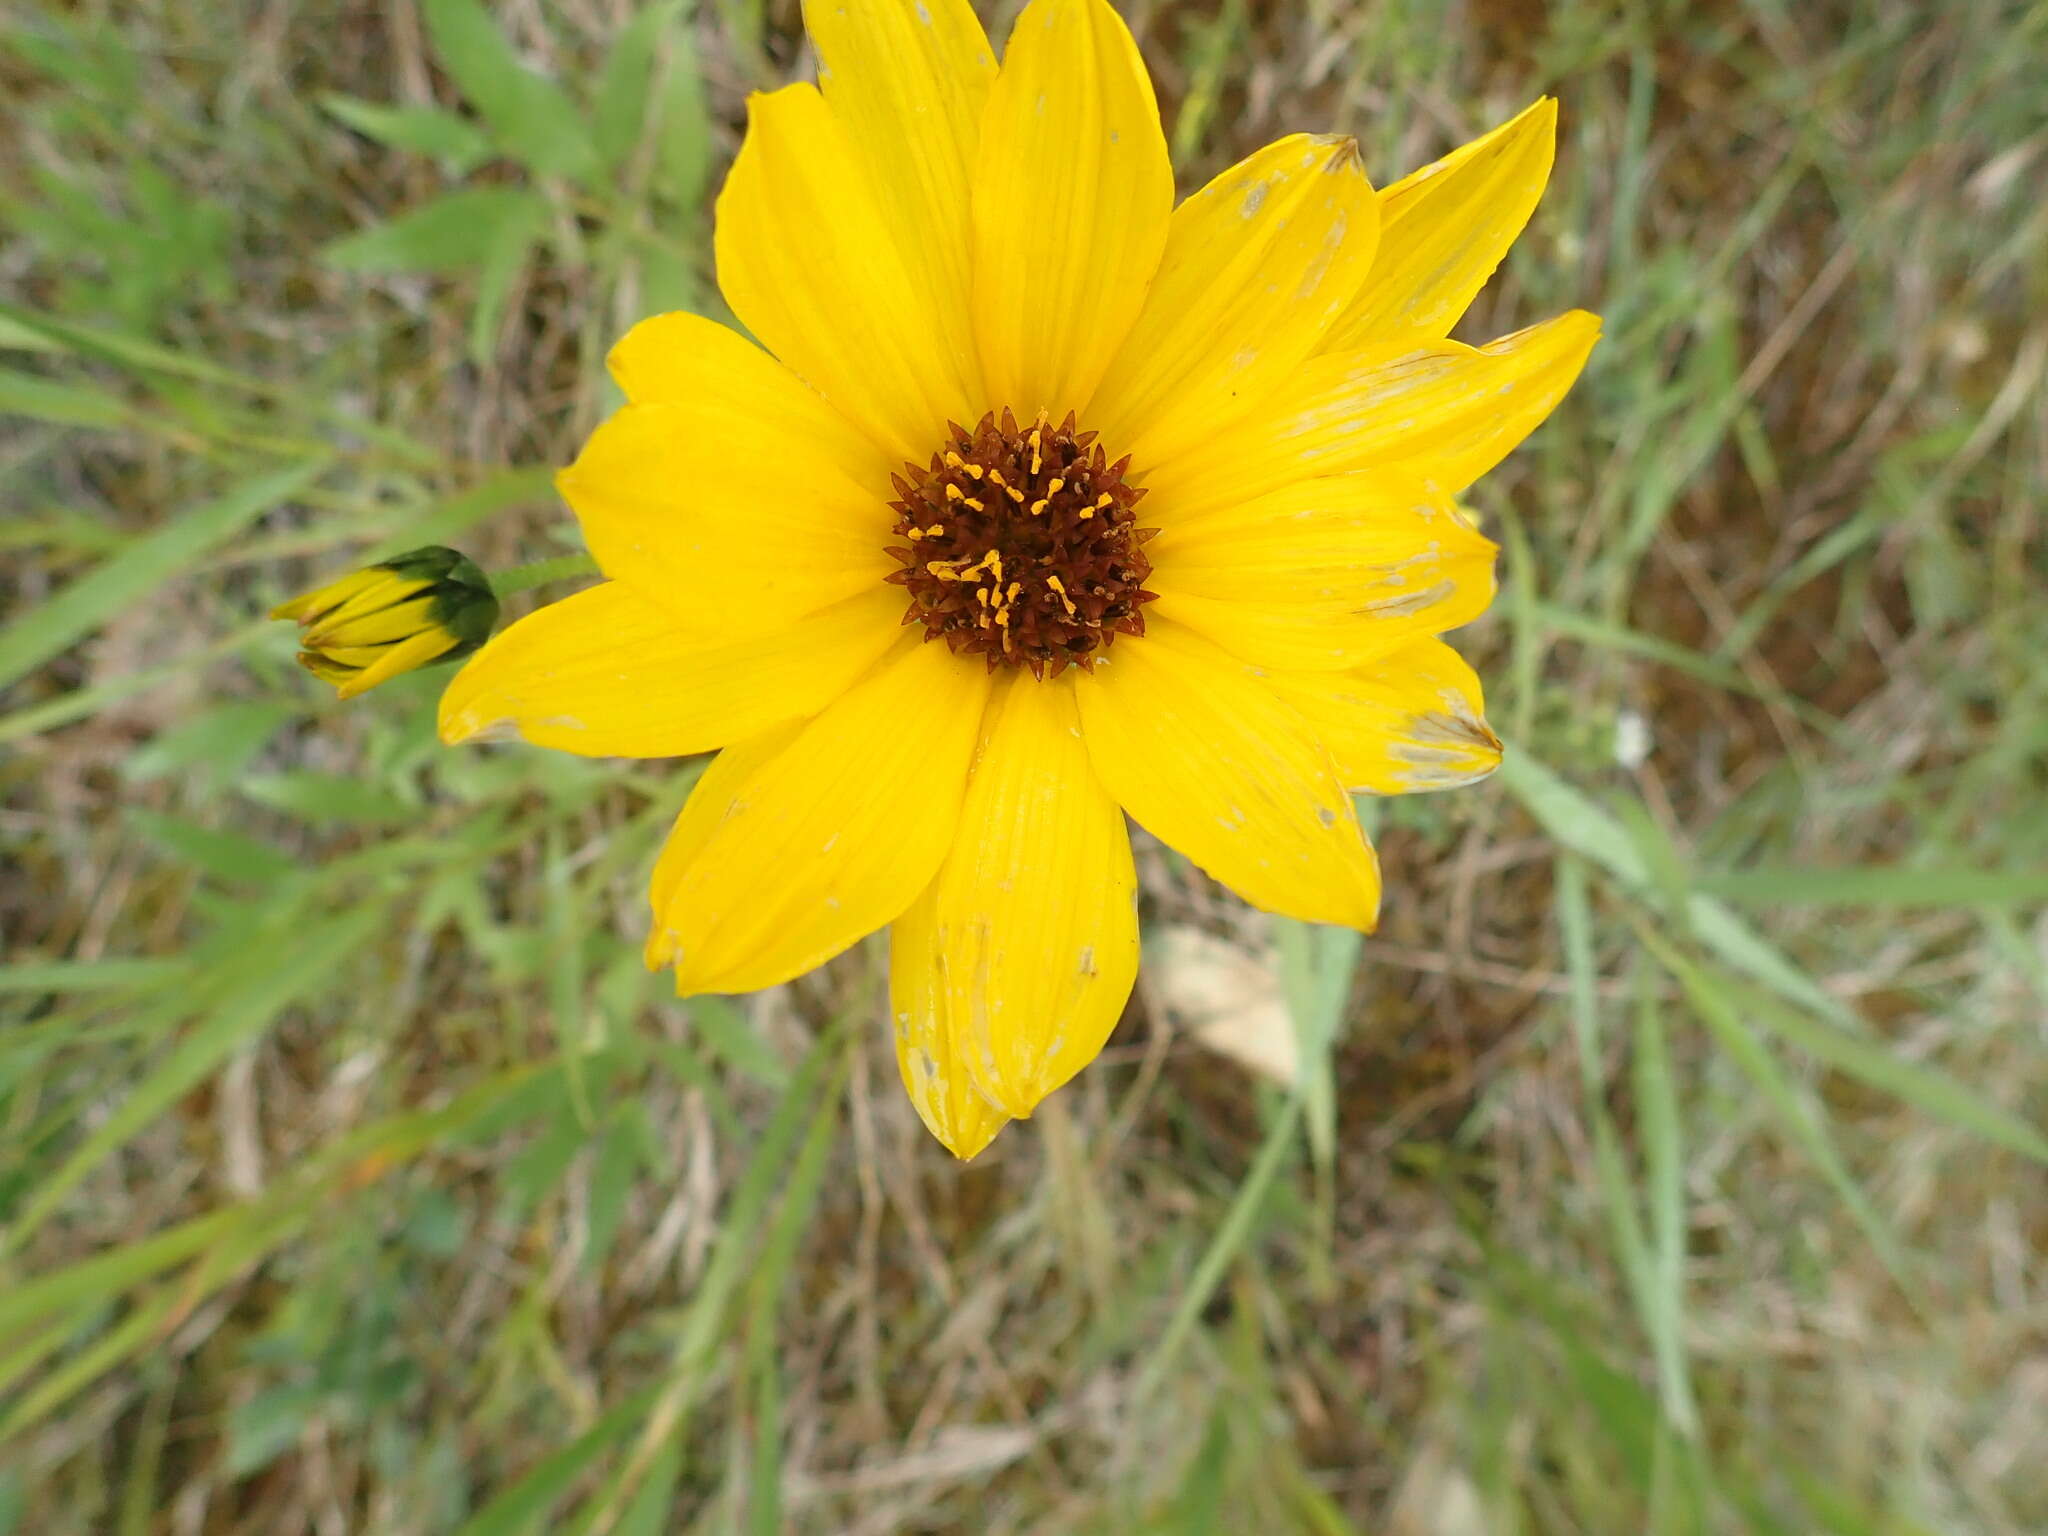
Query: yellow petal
[(1275, 638), (929, 1057), (715, 789), (1257, 266), (1306, 519), (832, 837), (326, 668), (402, 657), (1443, 411), (1206, 757), (810, 264), (1445, 228), (373, 584), (1294, 624), (606, 673), (684, 359), (737, 526), (1349, 567), (383, 627), (907, 80), (1414, 720), (366, 591), (1019, 958), (1073, 194), (353, 657)]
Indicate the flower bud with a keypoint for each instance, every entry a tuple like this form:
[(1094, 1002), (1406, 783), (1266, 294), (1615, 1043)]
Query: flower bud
[(428, 605)]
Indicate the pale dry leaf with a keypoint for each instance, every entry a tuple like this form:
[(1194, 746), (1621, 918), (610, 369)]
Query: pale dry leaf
[(1437, 1499), (1228, 997)]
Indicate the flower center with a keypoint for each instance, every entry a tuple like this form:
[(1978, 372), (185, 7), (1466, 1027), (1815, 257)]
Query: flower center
[(1021, 545)]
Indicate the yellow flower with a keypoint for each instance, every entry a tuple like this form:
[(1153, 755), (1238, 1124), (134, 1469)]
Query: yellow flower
[(1042, 501), (428, 605)]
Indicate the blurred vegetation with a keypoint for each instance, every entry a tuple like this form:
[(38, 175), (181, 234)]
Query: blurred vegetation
[(1670, 1162)]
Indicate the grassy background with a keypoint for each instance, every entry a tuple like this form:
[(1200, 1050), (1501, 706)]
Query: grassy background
[(1669, 1163)]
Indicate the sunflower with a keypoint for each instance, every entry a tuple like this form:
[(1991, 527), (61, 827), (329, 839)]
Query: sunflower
[(1040, 502)]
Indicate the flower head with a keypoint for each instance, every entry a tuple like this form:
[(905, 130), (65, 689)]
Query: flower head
[(427, 605), (1042, 502)]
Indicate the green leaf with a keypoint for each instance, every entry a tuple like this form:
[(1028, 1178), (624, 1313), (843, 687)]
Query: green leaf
[(212, 747), (511, 247), (529, 1177), (684, 152), (230, 855), (456, 233), (424, 130), (321, 797), (627, 84), (532, 118), (726, 1030), (619, 1156), (142, 567), (267, 1425)]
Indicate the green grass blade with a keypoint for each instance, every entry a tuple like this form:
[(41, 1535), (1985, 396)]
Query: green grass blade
[(1657, 1107), (1316, 963), (658, 1412), (1806, 1123), (142, 567), (271, 983), (518, 1508), (60, 404), (60, 976), (1231, 1236), (1580, 825), (1877, 886), (771, 1276), (104, 1276), (1618, 1191), (62, 333), (1925, 1088)]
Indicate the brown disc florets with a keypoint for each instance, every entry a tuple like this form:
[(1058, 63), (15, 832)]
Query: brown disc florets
[(1021, 545)]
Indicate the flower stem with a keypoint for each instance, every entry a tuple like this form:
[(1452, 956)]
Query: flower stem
[(520, 578)]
